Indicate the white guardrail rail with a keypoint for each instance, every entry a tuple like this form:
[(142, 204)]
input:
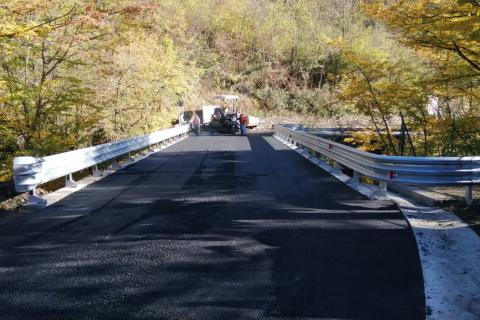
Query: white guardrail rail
[(433, 171), (30, 172)]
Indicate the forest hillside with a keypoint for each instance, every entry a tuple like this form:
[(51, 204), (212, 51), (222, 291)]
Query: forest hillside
[(79, 72)]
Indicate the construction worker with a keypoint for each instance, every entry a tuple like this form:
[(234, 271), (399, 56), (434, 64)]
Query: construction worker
[(195, 122), (243, 124)]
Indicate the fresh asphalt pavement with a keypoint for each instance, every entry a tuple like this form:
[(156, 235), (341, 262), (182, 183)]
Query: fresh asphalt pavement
[(213, 227)]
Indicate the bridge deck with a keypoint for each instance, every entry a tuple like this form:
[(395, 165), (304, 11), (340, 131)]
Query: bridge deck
[(214, 227)]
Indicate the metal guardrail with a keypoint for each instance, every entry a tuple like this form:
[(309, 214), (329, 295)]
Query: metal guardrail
[(29, 172), (434, 171)]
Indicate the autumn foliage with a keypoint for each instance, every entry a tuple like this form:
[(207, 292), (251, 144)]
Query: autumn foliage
[(80, 72)]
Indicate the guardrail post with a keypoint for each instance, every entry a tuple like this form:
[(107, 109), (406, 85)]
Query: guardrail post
[(115, 164), (69, 182), (355, 178), (96, 172), (35, 200), (382, 189), (469, 195), (337, 167)]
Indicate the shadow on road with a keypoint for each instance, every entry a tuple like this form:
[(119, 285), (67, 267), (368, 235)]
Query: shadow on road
[(239, 228)]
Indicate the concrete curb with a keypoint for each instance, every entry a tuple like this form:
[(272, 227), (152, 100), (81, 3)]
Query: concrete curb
[(425, 197), (450, 252)]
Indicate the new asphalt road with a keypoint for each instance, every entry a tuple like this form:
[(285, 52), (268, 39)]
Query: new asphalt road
[(214, 227)]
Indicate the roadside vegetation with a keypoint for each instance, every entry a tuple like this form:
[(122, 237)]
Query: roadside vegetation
[(80, 72)]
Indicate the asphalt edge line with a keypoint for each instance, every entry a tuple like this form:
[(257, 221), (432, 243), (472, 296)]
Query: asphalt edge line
[(449, 251), (64, 192)]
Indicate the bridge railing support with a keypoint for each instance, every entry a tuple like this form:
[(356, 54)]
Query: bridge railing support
[(355, 178), (69, 182), (96, 172), (35, 200)]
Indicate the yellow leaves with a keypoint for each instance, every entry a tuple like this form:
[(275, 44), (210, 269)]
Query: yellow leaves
[(445, 63), (364, 140), (17, 20), (475, 35), (144, 79), (443, 25), (86, 21), (374, 8), (236, 21), (24, 7), (379, 80), (133, 10), (446, 34)]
